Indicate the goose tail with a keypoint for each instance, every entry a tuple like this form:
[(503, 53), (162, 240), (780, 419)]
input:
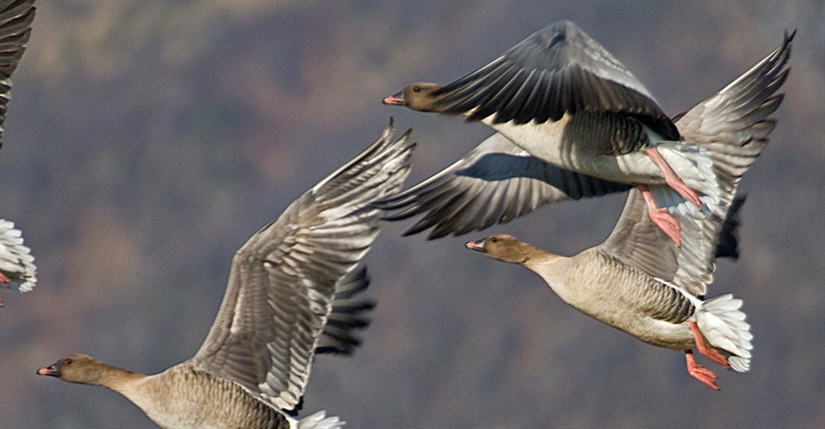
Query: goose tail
[(723, 325), (320, 420)]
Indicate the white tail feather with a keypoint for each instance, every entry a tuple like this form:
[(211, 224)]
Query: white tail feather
[(319, 420), (724, 326), (16, 261)]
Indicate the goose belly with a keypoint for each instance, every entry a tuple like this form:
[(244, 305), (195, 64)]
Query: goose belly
[(625, 299), (631, 318), (593, 157)]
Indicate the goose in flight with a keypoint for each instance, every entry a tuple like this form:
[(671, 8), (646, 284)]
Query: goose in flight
[(640, 282), (572, 122), (499, 181), (289, 296)]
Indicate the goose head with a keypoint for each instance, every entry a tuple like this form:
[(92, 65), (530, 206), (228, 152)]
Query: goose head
[(74, 368), (416, 96), (502, 247)]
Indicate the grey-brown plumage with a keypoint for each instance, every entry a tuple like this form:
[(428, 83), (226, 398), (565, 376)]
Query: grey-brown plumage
[(17, 269), (610, 283), (291, 294), (498, 181)]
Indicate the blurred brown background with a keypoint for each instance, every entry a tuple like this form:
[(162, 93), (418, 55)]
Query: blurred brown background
[(146, 141)]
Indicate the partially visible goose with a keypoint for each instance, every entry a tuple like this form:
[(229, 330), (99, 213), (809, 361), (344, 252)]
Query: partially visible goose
[(289, 295), (502, 179), (563, 98), (17, 270)]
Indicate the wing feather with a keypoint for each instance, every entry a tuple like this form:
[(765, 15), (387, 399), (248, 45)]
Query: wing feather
[(557, 70), (494, 183), (284, 280)]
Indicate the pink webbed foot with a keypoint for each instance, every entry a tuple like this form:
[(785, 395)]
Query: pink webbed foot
[(660, 217), (672, 179), (704, 348), (699, 372)]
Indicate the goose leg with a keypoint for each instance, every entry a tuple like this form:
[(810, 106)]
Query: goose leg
[(699, 372), (661, 217), (672, 179), (703, 346)]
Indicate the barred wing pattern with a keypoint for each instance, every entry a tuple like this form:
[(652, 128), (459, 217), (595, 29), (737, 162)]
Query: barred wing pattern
[(284, 279)]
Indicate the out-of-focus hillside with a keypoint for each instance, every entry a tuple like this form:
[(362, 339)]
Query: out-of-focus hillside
[(146, 141)]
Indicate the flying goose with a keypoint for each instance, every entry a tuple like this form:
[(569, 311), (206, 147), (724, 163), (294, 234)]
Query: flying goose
[(564, 99), (502, 179), (17, 270), (640, 282), (289, 296)]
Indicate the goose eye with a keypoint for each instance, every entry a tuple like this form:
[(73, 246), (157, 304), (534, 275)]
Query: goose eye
[(416, 89), (494, 240), (67, 362)]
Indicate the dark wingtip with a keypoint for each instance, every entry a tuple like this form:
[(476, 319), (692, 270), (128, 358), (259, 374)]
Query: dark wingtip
[(728, 244)]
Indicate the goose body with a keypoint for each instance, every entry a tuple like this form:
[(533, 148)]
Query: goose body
[(608, 283), (565, 100), (290, 295), (17, 269), (593, 282), (502, 179), (182, 396)]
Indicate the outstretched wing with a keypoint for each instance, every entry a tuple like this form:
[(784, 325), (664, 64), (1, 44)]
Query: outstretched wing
[(733, 127), (284, 279), (496, 182), (557, 70)]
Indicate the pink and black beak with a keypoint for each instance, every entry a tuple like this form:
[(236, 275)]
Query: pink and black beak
[(51, 370), (395, 99), (478, 246)]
